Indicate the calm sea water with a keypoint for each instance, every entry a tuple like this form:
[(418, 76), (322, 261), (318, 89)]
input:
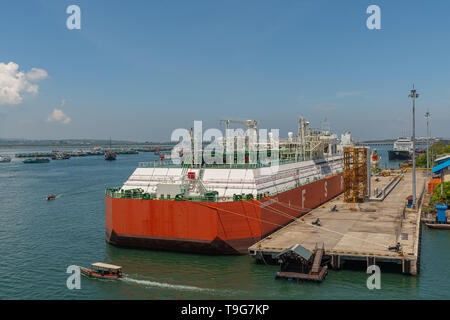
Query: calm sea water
[(39, 239)]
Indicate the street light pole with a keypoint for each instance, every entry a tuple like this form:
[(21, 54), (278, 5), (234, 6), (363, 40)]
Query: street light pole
[(414, 95), (427, 116)]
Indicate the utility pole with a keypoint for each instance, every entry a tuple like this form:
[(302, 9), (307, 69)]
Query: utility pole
[(427, 116), (414, 95), (431, 161)]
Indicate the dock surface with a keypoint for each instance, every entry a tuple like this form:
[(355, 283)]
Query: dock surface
[(362, 231)]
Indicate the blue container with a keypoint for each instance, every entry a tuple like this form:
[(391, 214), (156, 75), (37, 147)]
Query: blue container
[(441, 213)]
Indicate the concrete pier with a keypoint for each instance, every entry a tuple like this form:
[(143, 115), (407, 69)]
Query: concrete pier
[(359, 232)]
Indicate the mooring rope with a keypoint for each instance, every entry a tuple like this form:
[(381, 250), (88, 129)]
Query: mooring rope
[(337, 232), (293, 218), (239, 214)]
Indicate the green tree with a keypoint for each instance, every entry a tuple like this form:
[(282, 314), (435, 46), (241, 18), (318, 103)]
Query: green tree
[(436, 198), (437, 149)]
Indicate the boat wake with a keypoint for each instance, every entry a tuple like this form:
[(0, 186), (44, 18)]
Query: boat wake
[(148, 283)]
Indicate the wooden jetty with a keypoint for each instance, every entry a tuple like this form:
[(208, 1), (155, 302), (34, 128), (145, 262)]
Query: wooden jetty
[(386, 232)]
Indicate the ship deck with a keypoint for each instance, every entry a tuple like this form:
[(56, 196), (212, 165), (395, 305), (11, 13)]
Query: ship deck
[(357, 232)]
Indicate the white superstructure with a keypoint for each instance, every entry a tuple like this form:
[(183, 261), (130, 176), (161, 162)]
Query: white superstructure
[(230, 181), (403, 144), (312, 155)]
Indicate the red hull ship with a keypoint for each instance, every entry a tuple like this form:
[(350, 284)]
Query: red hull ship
[(219, 210), (205, 227)]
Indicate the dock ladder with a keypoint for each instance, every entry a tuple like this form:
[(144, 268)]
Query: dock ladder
[(317, 259), (186, 164), (200, 186)]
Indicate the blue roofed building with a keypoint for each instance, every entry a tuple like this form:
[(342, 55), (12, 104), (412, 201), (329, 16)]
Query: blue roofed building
[(443, 169), (442, 159)]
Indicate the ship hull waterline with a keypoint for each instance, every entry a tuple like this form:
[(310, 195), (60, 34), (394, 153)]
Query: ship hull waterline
[(399, 155), (210, 227)]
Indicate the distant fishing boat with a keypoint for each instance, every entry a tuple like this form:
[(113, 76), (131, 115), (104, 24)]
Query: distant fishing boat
[(164, 156), (4, 159), (60, 156), (34, 154), (36, 160), (78, 153), (109, 154), (51, 197)]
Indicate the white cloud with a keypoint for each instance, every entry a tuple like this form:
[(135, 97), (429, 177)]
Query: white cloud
[(58, 116), (36, 74), (14, 83)]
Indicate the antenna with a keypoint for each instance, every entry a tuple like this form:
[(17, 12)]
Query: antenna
[(325, 125)]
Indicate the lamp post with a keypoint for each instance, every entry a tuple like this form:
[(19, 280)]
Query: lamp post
[(427, 116), (414, 95), (431, 161)]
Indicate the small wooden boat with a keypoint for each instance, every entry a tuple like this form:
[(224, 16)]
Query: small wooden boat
[(36, 160), (4, 159), (110, 155), (60, 156), (102, 270), (51, 197), (441, 226)]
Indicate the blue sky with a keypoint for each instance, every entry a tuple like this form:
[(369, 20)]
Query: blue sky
[(139, 69)]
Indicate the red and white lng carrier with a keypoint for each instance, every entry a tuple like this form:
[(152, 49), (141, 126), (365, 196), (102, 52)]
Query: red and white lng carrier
[(225, 208)]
